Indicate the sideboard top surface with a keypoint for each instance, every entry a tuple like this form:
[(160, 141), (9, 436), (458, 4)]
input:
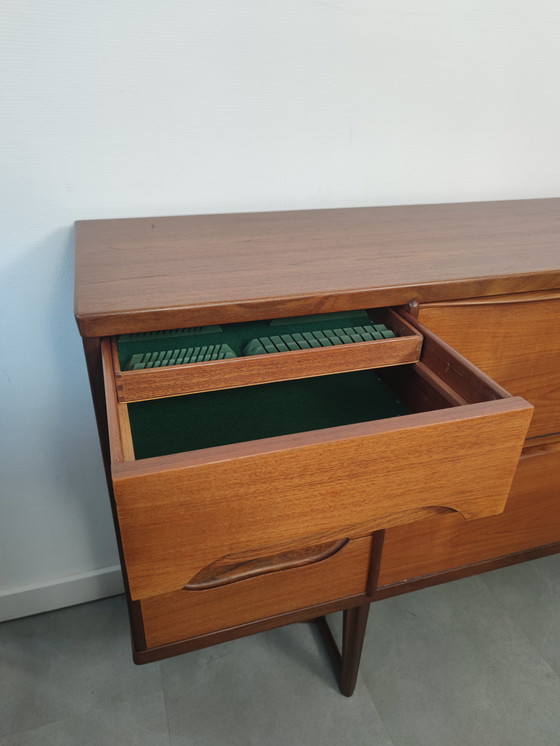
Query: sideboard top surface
[(144, 274)]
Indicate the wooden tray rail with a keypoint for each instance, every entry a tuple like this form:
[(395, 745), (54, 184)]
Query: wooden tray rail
[(232, 372)]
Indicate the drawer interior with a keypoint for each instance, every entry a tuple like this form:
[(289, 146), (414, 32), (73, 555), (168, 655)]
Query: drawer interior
[(215, 418), (227, 415)]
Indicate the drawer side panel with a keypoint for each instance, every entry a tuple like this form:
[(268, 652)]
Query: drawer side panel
[(514, 341)]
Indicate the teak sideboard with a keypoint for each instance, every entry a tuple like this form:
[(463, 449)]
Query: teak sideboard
[(313, 468)]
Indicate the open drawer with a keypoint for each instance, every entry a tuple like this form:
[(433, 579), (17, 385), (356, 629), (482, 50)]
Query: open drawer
[(209, 480)]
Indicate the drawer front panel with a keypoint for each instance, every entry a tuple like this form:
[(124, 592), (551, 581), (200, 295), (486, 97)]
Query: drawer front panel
[(183, 614), (531, 519), (194, 509), (515, 340)]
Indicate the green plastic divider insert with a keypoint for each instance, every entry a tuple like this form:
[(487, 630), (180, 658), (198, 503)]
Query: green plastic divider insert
[(197, 344), (186, 423), (326, 338), (141, 360)]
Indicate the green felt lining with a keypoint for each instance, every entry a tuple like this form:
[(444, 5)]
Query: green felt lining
[(186, 423), (245, 338)]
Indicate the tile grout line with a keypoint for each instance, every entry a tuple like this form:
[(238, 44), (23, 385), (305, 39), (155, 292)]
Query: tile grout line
[(519, 628), (360, 682), (165, 703), (392, 741), (375, 707), (515, 624)]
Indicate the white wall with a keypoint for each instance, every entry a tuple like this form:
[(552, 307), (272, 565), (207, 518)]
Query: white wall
[(114, 108)]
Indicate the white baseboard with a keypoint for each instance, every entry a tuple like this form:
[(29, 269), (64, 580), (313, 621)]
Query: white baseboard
[(55, 594)]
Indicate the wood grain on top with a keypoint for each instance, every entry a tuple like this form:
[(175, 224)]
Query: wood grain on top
[(154, 273)]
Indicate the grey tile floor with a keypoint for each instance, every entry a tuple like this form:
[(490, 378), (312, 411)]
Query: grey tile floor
[(476, 661)]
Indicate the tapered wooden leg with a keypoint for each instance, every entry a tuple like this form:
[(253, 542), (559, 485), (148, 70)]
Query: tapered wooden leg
[(354, 626), (353, 632)]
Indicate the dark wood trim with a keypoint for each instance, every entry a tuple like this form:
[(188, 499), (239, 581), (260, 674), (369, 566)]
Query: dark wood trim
[(308, 614), (353, 633), (233, 568), (496, 563), (413, 308), (347, 663), (136, 625), (92, 349), (550, 441), (330, 643), (377, 542)]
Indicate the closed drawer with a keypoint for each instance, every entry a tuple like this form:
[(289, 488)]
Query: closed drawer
[(515, 339), (531, 519), (189, 613), (262, 469)]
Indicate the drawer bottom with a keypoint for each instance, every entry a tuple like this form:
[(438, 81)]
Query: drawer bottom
[(164, 426)]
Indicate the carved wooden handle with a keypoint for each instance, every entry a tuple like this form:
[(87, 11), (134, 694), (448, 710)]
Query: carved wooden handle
[(235, 567)]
